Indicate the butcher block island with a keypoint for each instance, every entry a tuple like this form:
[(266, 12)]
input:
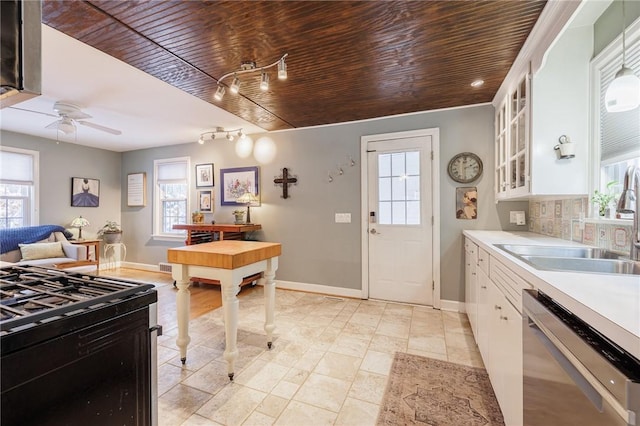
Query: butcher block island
[(228, 262)]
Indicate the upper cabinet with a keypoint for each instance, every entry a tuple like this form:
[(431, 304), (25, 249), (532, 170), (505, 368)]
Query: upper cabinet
[(512, 151), (544, 97)]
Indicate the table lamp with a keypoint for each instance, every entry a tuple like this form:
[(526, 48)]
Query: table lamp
[(79, 222), (247, 198)]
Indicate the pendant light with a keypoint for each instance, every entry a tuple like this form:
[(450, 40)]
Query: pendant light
[(623, 94)]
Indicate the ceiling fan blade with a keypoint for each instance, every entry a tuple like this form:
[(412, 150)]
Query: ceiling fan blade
[(99, 127), (37, 112), (53, 125)]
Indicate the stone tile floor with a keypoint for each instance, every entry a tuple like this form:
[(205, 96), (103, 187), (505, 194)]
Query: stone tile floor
[(328, 365)]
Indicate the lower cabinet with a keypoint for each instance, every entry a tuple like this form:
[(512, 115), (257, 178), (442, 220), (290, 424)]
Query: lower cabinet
[(493, 295), (505, 354)]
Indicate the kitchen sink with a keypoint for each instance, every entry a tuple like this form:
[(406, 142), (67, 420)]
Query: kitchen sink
[(603, 266), (559, 251), (572, 258)]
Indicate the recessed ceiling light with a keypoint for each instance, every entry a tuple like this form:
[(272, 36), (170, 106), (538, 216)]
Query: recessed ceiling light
[(477, 83)]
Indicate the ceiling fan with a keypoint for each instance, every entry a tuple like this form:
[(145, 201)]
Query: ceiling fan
[(68, 116)]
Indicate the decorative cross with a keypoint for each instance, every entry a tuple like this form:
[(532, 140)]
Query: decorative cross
[(285, 181)]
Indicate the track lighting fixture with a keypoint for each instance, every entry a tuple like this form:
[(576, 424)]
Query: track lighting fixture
[(264, 81), (228, 134), (250, 67)]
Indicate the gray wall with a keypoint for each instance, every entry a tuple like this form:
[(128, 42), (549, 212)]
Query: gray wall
[(315, 249), (59, 162), (609, 24)]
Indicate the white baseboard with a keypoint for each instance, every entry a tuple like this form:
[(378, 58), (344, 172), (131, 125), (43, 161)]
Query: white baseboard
[(452, 305), (141, 266), (318, 288)]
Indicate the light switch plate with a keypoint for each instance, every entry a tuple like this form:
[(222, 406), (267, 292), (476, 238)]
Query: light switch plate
[(343, 217)]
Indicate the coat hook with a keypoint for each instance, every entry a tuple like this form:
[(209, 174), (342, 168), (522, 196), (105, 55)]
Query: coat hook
[(351, 161), (330, 177), (340, 171)]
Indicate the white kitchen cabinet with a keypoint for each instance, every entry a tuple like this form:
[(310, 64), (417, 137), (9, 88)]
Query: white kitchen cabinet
[(505, 354), (470, 283), (482, 303), (512, 153)]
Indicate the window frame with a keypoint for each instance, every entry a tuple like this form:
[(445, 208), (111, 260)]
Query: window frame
[(157, 231), (611, 53), (33, 211)]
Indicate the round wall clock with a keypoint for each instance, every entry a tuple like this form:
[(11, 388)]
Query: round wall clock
[(465, 167)]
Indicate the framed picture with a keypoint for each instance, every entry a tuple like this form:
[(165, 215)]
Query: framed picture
[(467, 202), (204, 175), (237, 181), (205, 201), (136, 189), (85, 192)]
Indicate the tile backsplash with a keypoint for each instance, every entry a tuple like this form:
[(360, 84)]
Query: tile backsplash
[(564, 218)]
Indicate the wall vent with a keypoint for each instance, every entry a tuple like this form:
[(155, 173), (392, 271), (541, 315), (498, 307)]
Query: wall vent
[(164, 267)]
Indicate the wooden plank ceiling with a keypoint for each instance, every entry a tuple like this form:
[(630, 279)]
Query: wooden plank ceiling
[(348, 60)]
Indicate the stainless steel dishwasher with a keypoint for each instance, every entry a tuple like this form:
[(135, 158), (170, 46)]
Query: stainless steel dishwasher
[(572, 374)]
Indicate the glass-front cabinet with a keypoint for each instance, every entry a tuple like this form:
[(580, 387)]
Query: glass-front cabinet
[(512, 123)]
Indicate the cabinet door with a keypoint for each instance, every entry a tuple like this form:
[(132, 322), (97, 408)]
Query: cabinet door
[(482, 336), (470, 285), (501, 151), (505, 355)]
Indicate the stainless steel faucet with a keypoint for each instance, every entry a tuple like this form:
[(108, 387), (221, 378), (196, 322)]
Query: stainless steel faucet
[(628, 204)]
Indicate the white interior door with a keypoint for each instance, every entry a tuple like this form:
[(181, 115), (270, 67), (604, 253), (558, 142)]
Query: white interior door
[(400, 227)]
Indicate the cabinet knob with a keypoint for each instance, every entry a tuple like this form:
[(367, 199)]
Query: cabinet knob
[(473, 273), (497, 308), (503, 318), (483, 286)]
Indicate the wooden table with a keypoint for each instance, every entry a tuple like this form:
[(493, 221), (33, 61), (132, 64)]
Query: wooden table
[(228, 262), (197, 234), (87, 260)]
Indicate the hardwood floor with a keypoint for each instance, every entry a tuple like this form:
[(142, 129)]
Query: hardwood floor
[(204, 297)]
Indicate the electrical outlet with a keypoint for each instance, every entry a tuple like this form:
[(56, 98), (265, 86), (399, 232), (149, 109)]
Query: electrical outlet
[(512, 217), (343, 217), (516, 217)]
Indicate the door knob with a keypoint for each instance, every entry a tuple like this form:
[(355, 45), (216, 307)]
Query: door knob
[(373, 231)]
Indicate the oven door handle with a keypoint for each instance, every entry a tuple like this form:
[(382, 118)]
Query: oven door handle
[(588, 384)]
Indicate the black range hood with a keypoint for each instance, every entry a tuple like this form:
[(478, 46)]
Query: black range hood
[(21, 51)]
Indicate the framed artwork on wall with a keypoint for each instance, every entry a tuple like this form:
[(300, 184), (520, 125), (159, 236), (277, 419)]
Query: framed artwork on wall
[(85, 192), (204, 175), (235, 182), (136, 189), (467, 202), (205, 201)]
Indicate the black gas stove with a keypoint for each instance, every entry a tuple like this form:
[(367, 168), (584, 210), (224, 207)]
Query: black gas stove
[(76, 348)]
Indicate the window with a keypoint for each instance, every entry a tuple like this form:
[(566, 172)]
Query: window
[(18, 179), (171, 194), (618, 134), (399, 188)]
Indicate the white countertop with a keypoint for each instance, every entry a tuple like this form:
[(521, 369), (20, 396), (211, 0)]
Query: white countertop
[(610, 303)]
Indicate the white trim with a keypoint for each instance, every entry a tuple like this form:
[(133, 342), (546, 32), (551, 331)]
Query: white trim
[(353, 293), (156, 196), (434, 133), (34, 212), (141, 266), (551, 22), (366, 120), (452, 306)]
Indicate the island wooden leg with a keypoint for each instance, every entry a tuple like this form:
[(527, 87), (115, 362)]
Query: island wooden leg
[(270, 299), (230, 304), (183, 308)]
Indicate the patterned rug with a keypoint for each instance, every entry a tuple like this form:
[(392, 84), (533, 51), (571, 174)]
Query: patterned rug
[(426, 391)]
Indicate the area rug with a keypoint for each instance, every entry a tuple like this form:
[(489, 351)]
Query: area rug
[(426, 391)]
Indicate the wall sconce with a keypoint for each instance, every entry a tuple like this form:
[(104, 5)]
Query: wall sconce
[(250, 67), (229, 134), (566, 149), (79, 222)]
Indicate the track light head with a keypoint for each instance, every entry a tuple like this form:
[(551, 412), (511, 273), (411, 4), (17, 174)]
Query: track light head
[(219, 93), (201, 140), (264, 81), (235, 85), (240, 134), (229, 137), (282, 69)]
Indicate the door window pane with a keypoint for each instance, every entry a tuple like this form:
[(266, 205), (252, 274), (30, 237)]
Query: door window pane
[(399, 182)]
